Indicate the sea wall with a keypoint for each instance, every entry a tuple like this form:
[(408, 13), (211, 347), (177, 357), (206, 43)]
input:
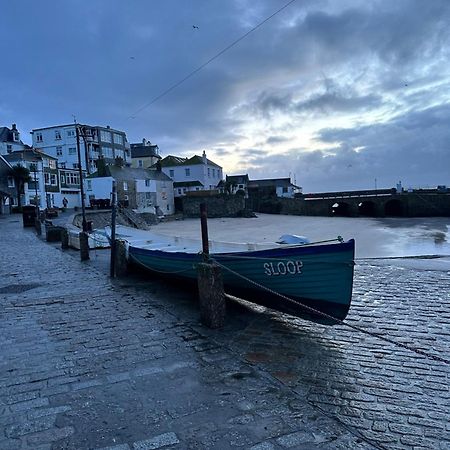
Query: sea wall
[(217, 205)]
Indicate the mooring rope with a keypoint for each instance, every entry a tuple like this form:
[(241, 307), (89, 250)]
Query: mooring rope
[(337, 321)]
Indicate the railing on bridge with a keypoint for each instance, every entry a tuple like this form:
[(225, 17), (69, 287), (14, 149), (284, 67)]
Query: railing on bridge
[(349, 194)]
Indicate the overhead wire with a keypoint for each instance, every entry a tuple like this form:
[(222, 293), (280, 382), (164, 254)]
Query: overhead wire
[(210, 60)]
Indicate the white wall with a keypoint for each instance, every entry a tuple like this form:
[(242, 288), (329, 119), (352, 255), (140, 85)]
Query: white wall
[(197, 172), (101, 188)]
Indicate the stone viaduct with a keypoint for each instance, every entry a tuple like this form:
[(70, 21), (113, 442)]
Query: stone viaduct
[(370, 203)]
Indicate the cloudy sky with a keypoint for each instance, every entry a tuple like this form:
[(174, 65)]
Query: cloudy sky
[(338, 94)]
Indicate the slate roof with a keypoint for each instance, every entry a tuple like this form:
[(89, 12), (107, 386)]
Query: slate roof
[(129, 173), (237, 179), (28, 154), (283, 182), (179, 184), (171, 161), (6, 135), (142, 151)]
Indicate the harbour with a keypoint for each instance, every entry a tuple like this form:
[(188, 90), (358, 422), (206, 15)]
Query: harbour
[(100, 341)]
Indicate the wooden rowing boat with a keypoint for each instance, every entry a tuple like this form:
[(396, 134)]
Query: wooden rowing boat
[(312, 281)]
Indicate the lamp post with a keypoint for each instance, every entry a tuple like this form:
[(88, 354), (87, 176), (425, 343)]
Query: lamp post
[(36, 190), (80, 172)]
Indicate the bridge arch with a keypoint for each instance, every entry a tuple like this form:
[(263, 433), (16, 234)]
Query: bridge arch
[(341, 209), (393, 208), (367, 208)]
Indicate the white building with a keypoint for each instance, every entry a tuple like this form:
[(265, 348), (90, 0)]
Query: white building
[(10, 140), (95, 142), (43, 189), (191, 174), (144, 190)]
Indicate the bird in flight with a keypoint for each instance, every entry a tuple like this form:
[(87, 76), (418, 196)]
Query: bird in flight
[(195, 27)]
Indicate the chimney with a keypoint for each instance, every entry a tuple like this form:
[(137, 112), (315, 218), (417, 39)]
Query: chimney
[(13, 127), (204, 157), (144, 141)]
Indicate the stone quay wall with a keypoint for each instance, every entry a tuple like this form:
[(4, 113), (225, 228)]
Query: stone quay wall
[(217, 205)]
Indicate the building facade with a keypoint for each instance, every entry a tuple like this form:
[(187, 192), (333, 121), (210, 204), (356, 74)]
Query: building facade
[(10, 140), (191, 174), (43, 189), (144, 190), (95, 142), (144, 155), (7, 186)]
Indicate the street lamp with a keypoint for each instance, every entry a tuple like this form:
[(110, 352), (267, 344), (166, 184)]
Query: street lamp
[(80, 171), (36, 190)]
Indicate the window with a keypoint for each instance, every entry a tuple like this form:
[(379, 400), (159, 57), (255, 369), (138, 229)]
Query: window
[(147, 183), (63, 179), (38, 137), (285, 190), (209, 172), (107, 152), (187, 172), (214, 173), (9, 148), (59, 151), (179, 191), (197, 188), (52, 164), (75, 165), (72, 178), (11, 183), (57, 135), (72, 150), (105, 136), (89, 185), (141, 164), (118, 139), (125, 186), (168, 208), (70, 133), (184, 190), (62, 165), (50, 178), (171, 173)]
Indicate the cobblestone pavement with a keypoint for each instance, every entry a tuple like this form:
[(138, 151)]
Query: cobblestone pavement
[(90, 363)]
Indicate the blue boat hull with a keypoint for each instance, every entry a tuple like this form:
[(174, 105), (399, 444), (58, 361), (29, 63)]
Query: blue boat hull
[(311, 282)]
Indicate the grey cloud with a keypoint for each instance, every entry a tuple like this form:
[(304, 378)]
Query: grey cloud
[(413, 148)]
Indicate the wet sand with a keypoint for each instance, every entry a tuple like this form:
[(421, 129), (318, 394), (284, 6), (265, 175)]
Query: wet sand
[(375, 238)]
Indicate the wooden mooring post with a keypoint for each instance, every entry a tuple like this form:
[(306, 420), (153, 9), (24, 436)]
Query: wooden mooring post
[(112, 261), (84, 245), (210, 282)]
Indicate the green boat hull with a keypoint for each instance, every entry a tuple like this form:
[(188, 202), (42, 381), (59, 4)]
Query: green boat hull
[(311, 282)]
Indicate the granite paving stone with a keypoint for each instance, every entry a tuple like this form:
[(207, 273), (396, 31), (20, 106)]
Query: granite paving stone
[(95, 363)]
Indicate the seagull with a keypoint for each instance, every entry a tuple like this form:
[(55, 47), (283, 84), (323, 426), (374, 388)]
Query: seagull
[(195, 26), (132, 57)]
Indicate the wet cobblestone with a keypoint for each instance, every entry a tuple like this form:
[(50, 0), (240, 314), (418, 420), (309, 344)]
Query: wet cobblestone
[(90, 363)]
